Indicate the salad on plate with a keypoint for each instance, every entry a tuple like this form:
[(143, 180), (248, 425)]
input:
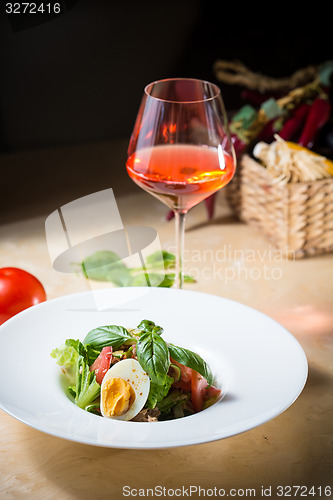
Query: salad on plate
[(135, 375)]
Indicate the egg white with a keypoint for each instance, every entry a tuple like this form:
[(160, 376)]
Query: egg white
[(131, 371)]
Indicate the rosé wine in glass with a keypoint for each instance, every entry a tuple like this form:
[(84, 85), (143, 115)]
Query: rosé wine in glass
[(180, 149)]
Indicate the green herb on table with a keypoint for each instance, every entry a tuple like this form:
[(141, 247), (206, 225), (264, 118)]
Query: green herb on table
[(105, 265)]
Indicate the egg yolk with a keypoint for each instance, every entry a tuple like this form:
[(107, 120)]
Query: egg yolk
[(117, 397)]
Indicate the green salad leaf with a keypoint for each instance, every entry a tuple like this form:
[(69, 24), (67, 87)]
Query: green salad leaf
[(66, 356), (158, 392), (173, 399), (147, 326), (88, 352), (191, 360), (110, 335), (74, 360), (87, 389), (153, 355)]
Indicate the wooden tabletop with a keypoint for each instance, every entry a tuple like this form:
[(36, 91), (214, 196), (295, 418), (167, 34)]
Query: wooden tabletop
[(229, 259)]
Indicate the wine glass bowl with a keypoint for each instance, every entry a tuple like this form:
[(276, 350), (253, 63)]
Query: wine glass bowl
[(180, 150)]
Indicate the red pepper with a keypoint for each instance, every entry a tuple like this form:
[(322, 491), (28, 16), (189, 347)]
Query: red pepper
[(239, 145), (267, 133), (293, 125), (317, 117), (170, 215)]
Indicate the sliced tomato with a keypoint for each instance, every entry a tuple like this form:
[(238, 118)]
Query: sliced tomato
[(201, 393), (102, 364), (192, 381), (211, 392), (185, 377), (185, 386), (198, 384), (186, 372)]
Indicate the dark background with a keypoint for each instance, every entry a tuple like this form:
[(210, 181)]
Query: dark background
[(78, 78)]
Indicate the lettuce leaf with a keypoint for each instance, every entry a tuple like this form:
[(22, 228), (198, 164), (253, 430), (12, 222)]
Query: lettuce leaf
[(66, 356), (174, 399), (87, 389)]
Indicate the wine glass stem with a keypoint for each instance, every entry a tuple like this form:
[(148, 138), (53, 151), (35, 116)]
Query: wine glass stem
[(180, 233)]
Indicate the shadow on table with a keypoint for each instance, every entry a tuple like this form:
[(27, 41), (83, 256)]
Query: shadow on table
[(317, 379), (218, 221)]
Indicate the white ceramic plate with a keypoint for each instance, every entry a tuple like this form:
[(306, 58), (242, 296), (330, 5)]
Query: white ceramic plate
[(260, 366)]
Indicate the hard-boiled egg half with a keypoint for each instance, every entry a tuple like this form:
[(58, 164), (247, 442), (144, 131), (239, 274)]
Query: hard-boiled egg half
[(124, 390)]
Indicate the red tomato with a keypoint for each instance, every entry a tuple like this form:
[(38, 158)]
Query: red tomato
[(18, 291), (102, 364), (200, 392), (192, 381), (211, 392), (198, 383), (185, 377), (184, 370)]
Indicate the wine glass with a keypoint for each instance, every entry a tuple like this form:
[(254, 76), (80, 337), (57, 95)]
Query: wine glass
[(180, 150)]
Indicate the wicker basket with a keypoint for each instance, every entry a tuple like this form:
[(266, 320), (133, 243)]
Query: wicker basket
[(296, 217)]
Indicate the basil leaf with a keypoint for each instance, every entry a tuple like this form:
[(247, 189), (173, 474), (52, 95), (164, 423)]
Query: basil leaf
[(153, 355), (149, 326), (161, 259), (101, 264), (104, 336), (145, 279), (119, 275), (105, 265), (191, 360), (146, 325), (189, 279), (158, 392), (152, 279), (168, 281), (170, 278)]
